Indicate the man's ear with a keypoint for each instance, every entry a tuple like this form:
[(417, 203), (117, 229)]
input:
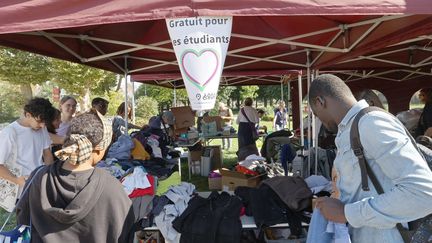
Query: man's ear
[(320, 100)]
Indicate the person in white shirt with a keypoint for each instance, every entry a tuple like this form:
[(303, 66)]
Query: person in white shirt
[(247, 120), (28, 138)]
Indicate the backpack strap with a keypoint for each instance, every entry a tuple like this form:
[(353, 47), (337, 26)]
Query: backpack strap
[(357, 148), (244, 114), (365, 168)]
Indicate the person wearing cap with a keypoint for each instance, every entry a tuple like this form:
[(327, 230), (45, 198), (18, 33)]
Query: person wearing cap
[(100, 104), (71, 200), (161, 126), (119, 123)]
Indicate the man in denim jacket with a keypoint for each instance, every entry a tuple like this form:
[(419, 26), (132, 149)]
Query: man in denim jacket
[(401, 170)]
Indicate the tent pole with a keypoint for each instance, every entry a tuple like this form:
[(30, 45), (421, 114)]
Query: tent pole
[(133, 101), (126, 94), (281, 86), (287, 105), (308, 111), (315, 132), (301, 111), (313, 127)]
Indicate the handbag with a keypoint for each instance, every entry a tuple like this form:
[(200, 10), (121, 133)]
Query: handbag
[(9, 191), (255, 134), (420, 230), (21, 233)]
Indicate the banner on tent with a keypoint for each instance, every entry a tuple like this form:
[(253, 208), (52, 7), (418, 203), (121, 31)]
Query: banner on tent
[(200, 45)]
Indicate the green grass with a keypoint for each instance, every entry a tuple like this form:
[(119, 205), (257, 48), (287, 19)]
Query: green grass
[(3, 216)]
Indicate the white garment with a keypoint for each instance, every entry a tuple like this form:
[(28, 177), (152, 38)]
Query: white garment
[(250, 112), (30, 145), (63, 129), (255, 157), (180, 196), (137, 180)]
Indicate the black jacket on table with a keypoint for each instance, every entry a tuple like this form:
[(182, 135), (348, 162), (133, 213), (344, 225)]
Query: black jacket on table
[(215, 219)]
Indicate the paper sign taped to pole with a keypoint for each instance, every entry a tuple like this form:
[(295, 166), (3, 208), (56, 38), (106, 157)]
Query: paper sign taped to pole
[(200, 45)]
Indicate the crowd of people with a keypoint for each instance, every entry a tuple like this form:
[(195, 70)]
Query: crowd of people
[(67, 197)]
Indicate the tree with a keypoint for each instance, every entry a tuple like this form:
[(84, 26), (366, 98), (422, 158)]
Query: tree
[(24, 69), (224, 94), (164, 96), (268, 93), (11, 102), (81, 81), (146, 107)]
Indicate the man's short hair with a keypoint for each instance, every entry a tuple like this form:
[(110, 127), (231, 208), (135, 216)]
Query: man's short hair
[(40, 108), (260, 111), (99, 101), (329, 85)]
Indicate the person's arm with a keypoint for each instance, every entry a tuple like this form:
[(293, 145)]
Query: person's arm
[(230, 114), (238, 117), (57, 139), (48, 157), (133, 126), (274, 121), (7, 175), (390, 151), (428, 132)]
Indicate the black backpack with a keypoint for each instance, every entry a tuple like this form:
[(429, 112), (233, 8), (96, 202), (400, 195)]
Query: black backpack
[(419, 230)]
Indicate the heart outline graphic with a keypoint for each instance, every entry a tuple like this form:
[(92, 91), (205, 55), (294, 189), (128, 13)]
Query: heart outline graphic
[(198, 54)]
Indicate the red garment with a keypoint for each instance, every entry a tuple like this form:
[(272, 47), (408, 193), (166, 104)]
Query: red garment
[(246, 171), (139, 192)]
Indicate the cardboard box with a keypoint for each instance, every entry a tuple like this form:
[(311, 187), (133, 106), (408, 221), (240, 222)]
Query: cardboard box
[(215, 183), (217, 119), (232, 179), (195, 155), (184, 117), (217, 158)]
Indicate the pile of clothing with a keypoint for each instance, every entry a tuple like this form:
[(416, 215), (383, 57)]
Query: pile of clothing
[(255, 165)]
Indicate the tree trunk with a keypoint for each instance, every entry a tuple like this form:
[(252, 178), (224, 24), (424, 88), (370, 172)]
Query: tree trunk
[(27, 91), (265, 102), (119, 82), (84, 101)]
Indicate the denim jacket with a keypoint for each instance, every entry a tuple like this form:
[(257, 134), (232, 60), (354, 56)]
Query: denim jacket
[(401, 170)]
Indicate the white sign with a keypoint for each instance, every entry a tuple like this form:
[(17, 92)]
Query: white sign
[(200, 45)]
